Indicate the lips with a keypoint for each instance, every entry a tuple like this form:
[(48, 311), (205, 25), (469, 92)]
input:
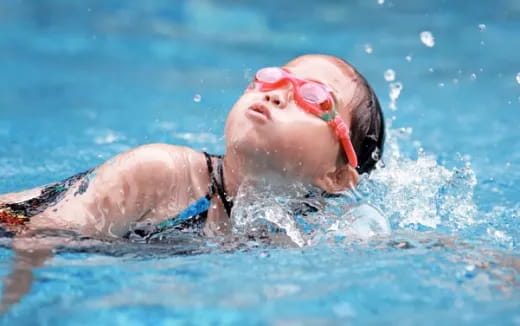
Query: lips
[(259, 112)]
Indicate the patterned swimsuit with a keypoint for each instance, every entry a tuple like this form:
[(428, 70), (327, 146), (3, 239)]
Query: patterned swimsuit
[(15, 215)]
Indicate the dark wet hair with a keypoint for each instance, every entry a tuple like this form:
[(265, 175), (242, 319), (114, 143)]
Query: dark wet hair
[(367, 130)]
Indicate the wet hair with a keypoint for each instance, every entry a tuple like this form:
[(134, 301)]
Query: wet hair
[(367, 129)]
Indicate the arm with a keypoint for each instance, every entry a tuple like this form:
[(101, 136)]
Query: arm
[(28, 255)]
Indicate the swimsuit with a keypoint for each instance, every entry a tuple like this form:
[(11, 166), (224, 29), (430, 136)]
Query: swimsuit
[(17, 214), (192, 218)]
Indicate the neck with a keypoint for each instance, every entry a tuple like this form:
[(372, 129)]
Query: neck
[(239, 171)]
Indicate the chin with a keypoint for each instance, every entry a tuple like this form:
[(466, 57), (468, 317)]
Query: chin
[(248, 142)]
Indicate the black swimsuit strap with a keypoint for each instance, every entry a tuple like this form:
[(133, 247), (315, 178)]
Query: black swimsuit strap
[(217, 185), (209, 164), (228, 203)]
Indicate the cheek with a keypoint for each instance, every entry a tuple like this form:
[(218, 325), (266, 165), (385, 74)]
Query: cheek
[(235, 120), (308, 148)]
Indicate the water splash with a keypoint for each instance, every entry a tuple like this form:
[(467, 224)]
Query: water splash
[(304, 217), (421, 194)]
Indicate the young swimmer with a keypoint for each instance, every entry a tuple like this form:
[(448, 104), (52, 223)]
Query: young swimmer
[(315, 121)]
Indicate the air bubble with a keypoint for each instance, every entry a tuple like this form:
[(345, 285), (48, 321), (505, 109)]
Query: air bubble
[(380, 2), (197, 98), (518, 78), (408, 58), (368, 49), (441, 84), (473, 76), (389, 75), (427, 39), (482, 27)]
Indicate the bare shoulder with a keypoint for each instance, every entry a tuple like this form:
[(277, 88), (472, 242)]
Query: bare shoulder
[(160, 154), (154, 161)]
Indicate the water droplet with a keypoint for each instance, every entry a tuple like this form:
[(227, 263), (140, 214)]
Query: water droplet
[(368, 49), (395, 91), (427, 39), (197, 98), (389, 75), (518, 78), (408, 58), (482, 27), (473, 76), (380, 2)]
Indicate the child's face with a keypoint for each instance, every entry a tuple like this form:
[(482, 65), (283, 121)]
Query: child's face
[(270, 130)]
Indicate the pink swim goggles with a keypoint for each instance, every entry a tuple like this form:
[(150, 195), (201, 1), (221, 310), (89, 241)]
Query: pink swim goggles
[(311, 96)]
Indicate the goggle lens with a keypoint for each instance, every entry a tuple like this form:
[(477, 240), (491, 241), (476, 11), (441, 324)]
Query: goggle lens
[(315, 94), (269, 75)]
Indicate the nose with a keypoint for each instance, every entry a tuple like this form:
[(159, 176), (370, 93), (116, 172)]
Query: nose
[(277, 98)]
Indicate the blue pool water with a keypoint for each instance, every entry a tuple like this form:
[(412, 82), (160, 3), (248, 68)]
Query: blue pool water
[(81, 81)]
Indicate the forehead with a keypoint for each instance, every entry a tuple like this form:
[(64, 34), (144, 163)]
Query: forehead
[(338, 76)]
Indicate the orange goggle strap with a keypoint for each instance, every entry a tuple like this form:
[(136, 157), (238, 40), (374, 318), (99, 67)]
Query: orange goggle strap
[(342, 132)]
